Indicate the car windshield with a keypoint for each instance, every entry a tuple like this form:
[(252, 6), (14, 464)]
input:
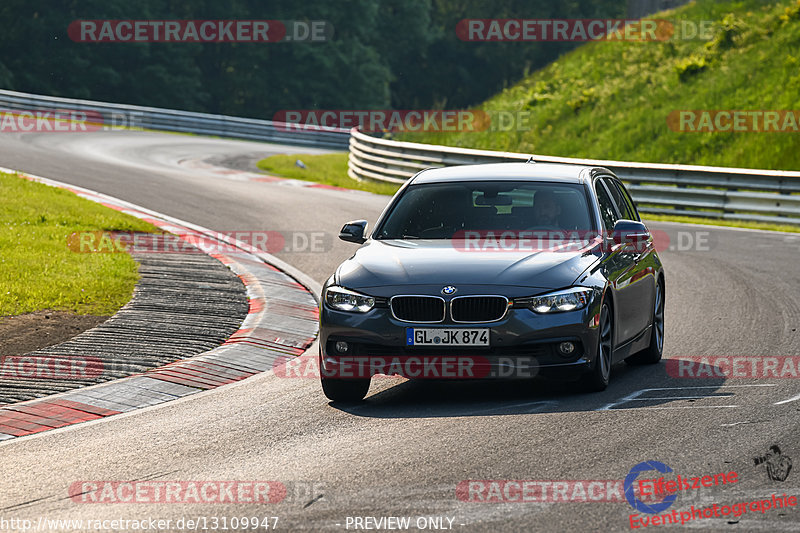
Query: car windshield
[(447, 210)]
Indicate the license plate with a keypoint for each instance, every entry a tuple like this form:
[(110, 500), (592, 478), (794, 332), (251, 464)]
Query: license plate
[(447, 337)]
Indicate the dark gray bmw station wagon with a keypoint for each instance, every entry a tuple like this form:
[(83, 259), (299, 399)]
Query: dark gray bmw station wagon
[(506, 270)]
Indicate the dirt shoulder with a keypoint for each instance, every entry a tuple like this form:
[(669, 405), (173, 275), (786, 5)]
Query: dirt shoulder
[(32, 331)]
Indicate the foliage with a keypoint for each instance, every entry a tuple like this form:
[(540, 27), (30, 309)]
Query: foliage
[(402, 54)]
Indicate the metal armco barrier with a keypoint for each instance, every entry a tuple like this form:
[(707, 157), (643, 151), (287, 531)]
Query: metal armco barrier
[(714, 192), (121, 116)]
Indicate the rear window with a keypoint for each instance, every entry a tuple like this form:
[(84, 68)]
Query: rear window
[(441, 210)]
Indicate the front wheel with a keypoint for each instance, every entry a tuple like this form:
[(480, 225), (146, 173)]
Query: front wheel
[(597, 380), (652, 354), (345, 390)]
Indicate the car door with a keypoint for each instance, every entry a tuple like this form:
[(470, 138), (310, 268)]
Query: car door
[(638, 278), (619, 265)]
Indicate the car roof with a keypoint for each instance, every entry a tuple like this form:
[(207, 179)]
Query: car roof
[(506, 171)]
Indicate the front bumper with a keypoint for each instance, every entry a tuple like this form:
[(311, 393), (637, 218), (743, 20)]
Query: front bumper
[(523, 345)]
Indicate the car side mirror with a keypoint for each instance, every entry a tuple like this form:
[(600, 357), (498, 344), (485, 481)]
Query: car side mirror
[(630, 231), (354, 231)]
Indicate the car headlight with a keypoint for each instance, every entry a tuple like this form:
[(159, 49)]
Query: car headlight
[(561, 301), (343, 299)]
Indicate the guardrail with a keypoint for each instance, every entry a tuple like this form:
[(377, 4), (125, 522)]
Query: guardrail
[(153, 118), (714, 192)]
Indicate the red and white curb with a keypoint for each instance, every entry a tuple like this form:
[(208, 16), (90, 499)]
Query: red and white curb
[(282, 320)]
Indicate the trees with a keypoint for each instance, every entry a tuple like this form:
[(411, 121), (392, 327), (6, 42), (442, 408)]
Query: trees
[(389, 53)]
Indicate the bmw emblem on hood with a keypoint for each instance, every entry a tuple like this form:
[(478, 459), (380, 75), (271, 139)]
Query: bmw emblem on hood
[(449, 290)]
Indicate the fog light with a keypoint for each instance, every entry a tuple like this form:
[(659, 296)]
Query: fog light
[(566, 348), (341, 347)]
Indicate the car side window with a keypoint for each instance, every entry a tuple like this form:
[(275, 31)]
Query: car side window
[(622, 199), (607, 211), (622, 207)]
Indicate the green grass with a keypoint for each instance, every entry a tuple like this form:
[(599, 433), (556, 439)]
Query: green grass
[(38, 271), (611, 100), (330, 169)]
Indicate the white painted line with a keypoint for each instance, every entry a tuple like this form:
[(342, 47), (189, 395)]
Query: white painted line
[(714, 387), (792, 399), (678, 398), (627, 398), (636, 396)]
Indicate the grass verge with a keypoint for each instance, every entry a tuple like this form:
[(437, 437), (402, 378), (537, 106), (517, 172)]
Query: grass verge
[(38, 271), (330, 169)]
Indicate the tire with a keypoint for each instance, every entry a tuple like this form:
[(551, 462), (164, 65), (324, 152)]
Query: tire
[(652, 354), (598, 378), (345, 390)]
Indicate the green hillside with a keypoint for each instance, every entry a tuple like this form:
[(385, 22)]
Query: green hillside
[(611, 99)]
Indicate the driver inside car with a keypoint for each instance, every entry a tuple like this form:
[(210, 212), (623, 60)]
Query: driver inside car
[(546, 209)]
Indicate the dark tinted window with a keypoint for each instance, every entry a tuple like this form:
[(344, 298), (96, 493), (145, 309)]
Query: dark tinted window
[(623, 204), (626, 195), (607, 212), (441, 210)]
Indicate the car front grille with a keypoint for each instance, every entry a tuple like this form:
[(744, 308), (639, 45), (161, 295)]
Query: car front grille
[(418, 308), (478, 308)]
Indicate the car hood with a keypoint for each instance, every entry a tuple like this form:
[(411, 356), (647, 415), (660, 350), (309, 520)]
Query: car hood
[(395, 263)]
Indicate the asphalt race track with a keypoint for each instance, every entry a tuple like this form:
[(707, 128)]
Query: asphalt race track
[(404, 452)]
